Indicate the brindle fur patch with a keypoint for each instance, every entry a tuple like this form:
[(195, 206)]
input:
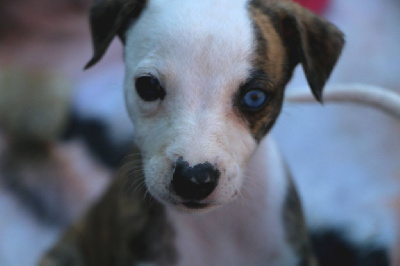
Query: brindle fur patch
[(287, 35), (295, 227), (269, 61), (109, 18), (307, 38), (125, 227)]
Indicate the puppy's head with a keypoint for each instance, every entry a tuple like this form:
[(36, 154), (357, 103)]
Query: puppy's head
[(205, 83)]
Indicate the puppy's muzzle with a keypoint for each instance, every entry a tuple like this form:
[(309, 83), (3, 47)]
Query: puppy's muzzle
[(195, 183)]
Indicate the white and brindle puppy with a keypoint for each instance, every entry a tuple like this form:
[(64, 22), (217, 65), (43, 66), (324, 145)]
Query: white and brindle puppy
[(204, 84)]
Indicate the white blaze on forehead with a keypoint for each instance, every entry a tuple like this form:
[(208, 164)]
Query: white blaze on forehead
[(192, 39)]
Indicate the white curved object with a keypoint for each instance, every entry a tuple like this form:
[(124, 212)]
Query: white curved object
[(369, 95)]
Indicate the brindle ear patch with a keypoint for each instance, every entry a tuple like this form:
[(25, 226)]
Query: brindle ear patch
[(322, 46), (308, 39), (109, 18)]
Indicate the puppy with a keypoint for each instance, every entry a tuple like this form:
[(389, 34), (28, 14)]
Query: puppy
[(204, 84)]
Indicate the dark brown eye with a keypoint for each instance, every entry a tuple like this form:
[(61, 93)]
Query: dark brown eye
[(149, 89)]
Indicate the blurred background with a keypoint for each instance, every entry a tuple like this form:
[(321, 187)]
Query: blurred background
[(64, 130)]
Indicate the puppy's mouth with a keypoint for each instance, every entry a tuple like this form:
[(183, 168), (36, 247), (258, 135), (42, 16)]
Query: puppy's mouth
[(199, 206), (195, 205)]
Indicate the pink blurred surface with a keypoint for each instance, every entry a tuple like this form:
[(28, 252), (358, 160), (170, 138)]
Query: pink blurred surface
[(317, 6)]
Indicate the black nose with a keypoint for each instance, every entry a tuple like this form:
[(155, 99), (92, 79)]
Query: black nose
[(194, 183)]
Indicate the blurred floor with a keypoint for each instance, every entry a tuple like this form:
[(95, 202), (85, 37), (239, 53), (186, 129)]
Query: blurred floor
[(73, 182), (350, 148)]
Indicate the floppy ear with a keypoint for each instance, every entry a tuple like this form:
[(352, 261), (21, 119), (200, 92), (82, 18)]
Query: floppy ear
[(109, 18), (309, 40)]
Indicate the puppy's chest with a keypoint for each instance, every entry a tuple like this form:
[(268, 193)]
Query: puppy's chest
[(242, 233)]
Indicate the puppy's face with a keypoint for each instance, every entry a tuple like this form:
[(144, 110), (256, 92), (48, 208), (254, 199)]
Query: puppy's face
[(205, 83)]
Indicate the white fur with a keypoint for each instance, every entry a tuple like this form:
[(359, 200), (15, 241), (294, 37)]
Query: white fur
[(201, 63), (247, 231)]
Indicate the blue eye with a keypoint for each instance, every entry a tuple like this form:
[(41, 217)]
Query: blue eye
[(254, 100)]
